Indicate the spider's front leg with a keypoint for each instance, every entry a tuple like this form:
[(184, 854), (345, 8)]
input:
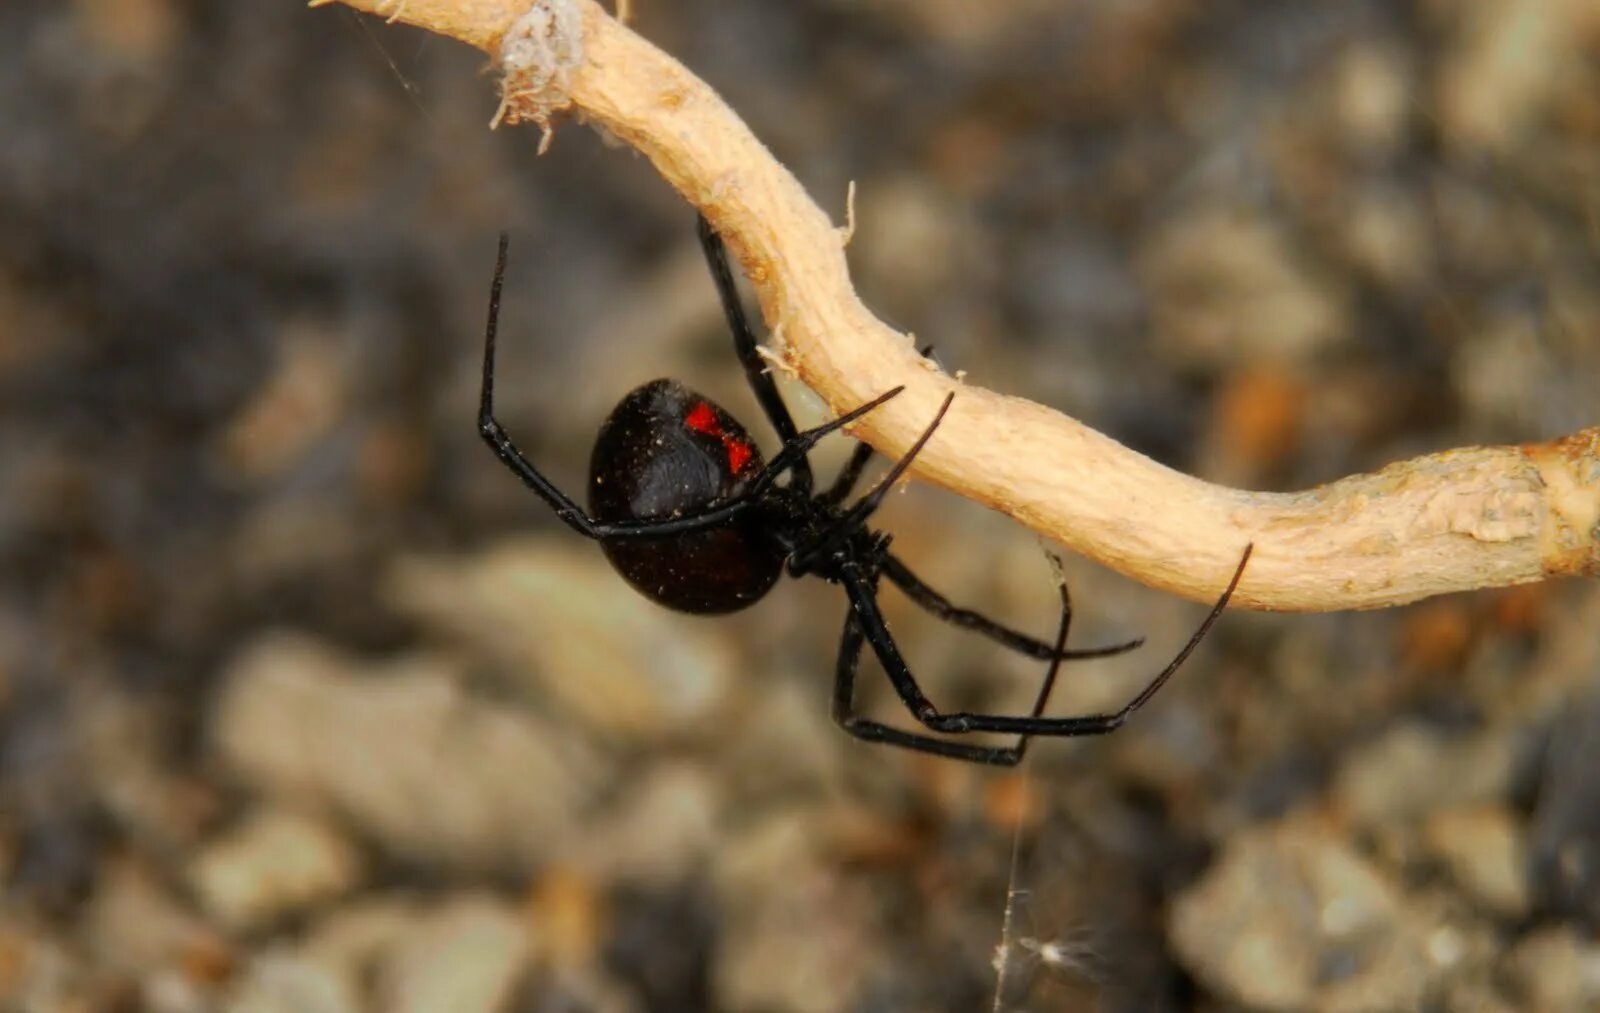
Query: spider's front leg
[(792, 456), (744, 343), (495, 435)]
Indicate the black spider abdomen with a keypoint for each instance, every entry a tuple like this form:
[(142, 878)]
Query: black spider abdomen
[(665, 452)]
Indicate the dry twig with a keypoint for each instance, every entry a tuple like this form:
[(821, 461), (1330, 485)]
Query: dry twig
[(1470, 518)]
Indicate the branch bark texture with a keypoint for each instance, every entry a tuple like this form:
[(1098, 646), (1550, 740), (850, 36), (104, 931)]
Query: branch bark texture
[(1470, 518)]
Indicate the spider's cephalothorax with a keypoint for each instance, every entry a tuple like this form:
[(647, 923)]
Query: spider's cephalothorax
[(690, 513), (664, 452)]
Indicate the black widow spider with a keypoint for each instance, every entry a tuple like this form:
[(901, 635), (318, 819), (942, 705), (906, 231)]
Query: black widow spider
[(687, 512)]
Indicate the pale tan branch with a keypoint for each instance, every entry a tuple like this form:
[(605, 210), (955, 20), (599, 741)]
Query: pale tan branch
[(1471, 518)]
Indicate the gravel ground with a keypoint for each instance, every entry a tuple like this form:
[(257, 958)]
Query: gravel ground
[(306, 705)]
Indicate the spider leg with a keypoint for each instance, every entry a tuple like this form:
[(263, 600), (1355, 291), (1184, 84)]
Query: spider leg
[(851, 520), (493, 434), (793, 452), (868, 730), (918, 591), (850, 474), (873, 731), (864, 602), (744, 343)]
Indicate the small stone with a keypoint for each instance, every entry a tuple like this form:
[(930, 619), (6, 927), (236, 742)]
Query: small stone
[(1373, 97), (280, 982), (1505, 63), (464, 958), (168, 990), (1413, 770), (1556, 969), (792, 934), (293, 410), (404, 753), (1289, 918), (1387, 234), (1486, 852), (784, 743), (39, 971), (1228, 288), (661, 829), (353, 937), (559, 622), (570, 911), (134, 925), (276, 863)]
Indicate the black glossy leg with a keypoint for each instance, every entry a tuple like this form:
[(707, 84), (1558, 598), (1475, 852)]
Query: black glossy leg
[(918, 591), (863, 600), (874, 731), (791, 456), (849, 475), (852, 520), (489, 428), (744, 343)]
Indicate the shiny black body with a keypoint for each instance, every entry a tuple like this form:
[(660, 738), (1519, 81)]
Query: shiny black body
[(648, 464), (688, 511)]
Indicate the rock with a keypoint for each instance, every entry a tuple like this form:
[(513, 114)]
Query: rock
[(1556, 969), (791, 936), (352, 938), (281, 982), (1505, 63), (275, 863), (552, 614), (1373, 96), (571, 911), (169, 990), (1289, 918), (39, 971), (1228, 288), (1413, 770), (404, 753), (296, 407), (139, 940), (463, 954), (784, 743), (660, 830), (133, 924), (1486, 852), (464, 958)]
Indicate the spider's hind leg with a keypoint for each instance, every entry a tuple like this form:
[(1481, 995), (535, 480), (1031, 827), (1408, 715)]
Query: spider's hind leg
[(941, 607), (863, 600), (872, 731)]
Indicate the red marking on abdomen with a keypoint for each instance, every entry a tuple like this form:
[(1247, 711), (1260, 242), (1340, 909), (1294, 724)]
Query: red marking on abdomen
[(702, 418), (739, 453)]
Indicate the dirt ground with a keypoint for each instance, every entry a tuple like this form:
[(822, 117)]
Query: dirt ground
[(306, 705)]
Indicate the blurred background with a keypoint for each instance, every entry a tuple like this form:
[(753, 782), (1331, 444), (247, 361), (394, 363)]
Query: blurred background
[(307, 705)]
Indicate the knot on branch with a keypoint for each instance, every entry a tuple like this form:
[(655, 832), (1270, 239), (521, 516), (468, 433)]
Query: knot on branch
[(538, 54)]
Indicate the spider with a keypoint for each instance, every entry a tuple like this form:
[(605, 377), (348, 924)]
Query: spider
[(688, 512)]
